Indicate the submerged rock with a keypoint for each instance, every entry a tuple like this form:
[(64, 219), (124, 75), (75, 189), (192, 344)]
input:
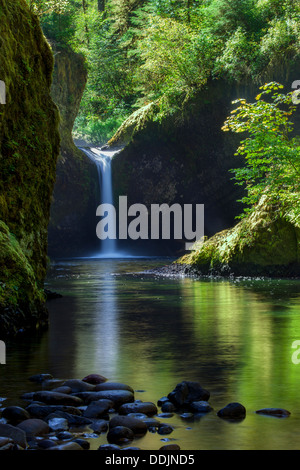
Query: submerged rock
[(120, 435), (15, 414), (138, 426), (187, 392), (232, 411), (277, 412), (147, 408)]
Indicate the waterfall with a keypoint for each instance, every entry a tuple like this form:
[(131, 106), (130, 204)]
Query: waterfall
[(102, 159)]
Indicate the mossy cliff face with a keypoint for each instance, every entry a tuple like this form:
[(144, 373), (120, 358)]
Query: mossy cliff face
[(75, 197), (267, 243), (183, 158), (29, 146)]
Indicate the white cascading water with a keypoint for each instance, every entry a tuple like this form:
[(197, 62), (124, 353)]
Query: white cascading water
[(102, 159)]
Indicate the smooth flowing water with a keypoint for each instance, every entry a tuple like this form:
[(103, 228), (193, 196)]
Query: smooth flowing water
[(102, 160), (233, 336)]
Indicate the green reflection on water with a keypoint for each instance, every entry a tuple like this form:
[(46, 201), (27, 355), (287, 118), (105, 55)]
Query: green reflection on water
[(234, 337)]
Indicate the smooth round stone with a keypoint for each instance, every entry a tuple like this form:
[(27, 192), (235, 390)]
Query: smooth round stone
[(201, 406), (152, 423), (62, 389), (39, 378), (165, 415), (130, 448), (165, 429), (137, 415), (120, 435), (14, 433), (83, 443), (42, 411), (46, 444), (64, 436), (162, 400), (77, 385), (118, 397), (170, 447), (232, 411), (98, 409), (15, 414), (94, 379), (187, 416), (138, 426), (109, 447), (34, 427), (168, 407), (113, 386), (55, 398), (99, 426), (277, 412), (67, 446), (146, 408)]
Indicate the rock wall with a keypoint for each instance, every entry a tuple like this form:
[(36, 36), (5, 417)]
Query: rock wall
[(72, 227), (29, 146), (185, 158)]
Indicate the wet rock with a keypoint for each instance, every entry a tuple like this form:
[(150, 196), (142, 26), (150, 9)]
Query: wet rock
[(187, 416), (73, 420), (42, 411), (168, 406), (64, 436), (137, 415), (39, 378), (109, 447), (67, 446), (15, 414), (130, 448), (165, 429), (165, 415), (17, 435), (62, 389), (94, 379), (56, 398), (277, 412), (120, 435), (99, 426), (138, 426), (200, 407), (187, 392), (46, 444), (146, 408), (170, 447), (98, 409), (27, 396), (152, 423), (118, 397), (51, 384), (58, 424), (83, 443), (34, 427), (232, 411), (10, 446), (113, 386), (162, 400), (79, 386), (4, 441)]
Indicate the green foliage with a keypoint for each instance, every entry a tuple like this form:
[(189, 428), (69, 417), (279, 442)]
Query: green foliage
[(140, 51), (271, 152)]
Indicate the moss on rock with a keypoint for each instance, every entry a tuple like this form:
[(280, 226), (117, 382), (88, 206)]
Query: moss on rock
[(29, 146), (267, 242)]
